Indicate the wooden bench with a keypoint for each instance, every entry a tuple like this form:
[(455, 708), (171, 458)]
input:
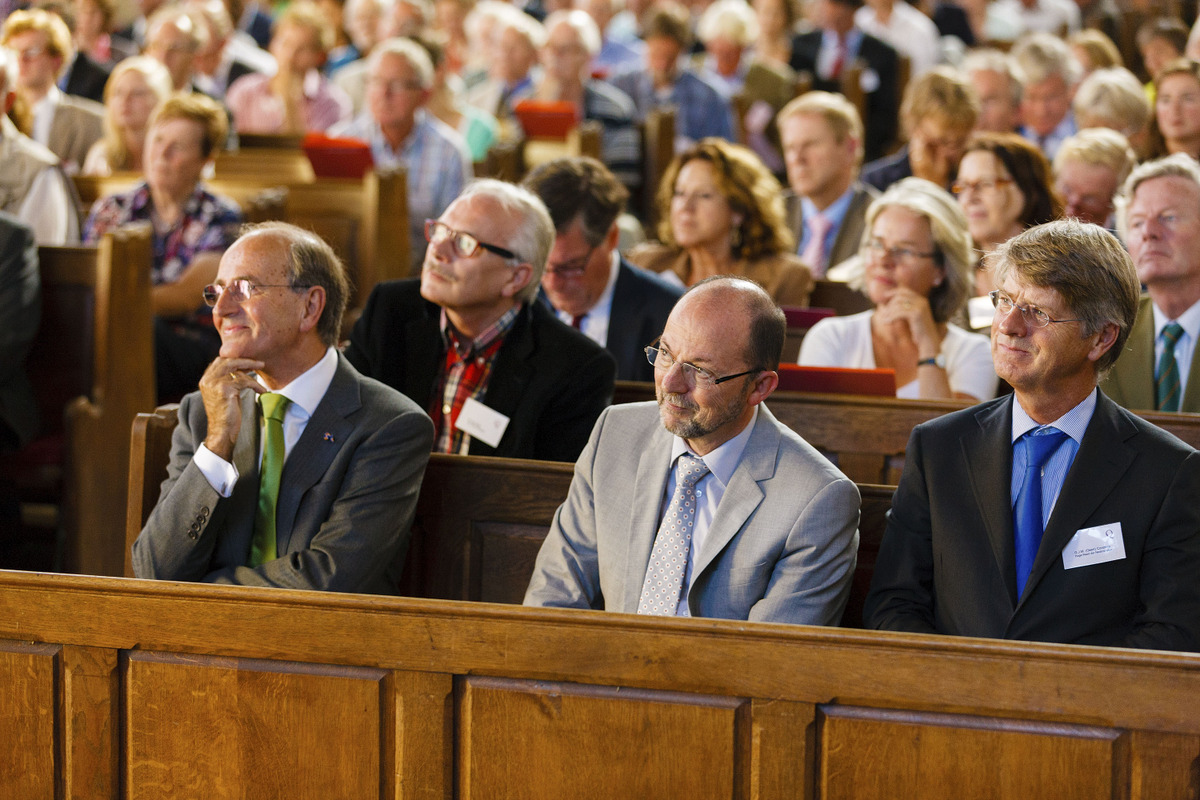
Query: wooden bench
[(480, 521), (363, 220), (140, 689), (92, 367)]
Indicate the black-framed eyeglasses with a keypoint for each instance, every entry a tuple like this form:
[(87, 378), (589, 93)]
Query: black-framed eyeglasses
[(661, 358), (241, 290), (573, 268), (465, 245), (1032, 314)]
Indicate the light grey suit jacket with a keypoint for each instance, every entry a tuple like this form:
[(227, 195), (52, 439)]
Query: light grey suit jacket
[(347, 496), (1130, 383), (78, 124), (782, 546)]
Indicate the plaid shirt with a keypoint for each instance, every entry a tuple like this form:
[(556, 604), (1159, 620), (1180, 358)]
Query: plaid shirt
[(465, 374)]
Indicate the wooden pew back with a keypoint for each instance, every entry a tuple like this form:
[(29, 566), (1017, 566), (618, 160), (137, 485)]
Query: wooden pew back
[(138, 689)]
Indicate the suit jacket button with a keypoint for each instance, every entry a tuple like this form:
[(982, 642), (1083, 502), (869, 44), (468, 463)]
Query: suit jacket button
[(192, 535), (204, 511)]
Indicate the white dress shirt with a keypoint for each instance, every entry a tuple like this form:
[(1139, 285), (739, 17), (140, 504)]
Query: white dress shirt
[(595, 322)]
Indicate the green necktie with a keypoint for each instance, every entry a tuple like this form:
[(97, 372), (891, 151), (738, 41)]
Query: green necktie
[(1166, 385), (262, 549)]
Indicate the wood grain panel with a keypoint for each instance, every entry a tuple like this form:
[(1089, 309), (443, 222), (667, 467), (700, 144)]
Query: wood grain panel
[(1155, 772), (90, 709), (27, 741), (507, 552), (783, 742), (990, 757), (593, 741), (214, 727), (424, 713)]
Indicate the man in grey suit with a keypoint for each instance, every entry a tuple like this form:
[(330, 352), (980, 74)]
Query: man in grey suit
[(587, 282), (1052, 514), (771, 533), (1160, 221), (822, 139), (353, 451)]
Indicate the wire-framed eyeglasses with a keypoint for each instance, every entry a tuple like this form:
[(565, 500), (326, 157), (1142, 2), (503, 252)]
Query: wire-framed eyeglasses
[(661, 358), (240, 291), (1032, 315)]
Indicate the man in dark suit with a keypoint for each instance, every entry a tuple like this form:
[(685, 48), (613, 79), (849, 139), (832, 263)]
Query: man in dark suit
[(839, 44), (468, 341), (827, 205), (342, 455), (587, 283), (1052, 515), (20, 308), (83, 77)]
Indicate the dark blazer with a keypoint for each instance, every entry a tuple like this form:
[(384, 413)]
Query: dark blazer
[(883, 172), (347, 496), (947, 564), (20, 310), (883, 104), (1130, 383), (549, 379), (848, 237), (85, 78)]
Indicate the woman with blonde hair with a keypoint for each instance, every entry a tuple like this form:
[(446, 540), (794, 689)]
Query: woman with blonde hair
[(1177, 107), (721, 213), (134, 90), (918, 270)]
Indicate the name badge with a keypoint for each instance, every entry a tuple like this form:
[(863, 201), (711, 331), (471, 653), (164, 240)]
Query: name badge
[(1096, 545), (481, 422)]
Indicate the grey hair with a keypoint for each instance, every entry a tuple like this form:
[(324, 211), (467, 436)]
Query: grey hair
[(1177, 165), (579, 21), (416, 56)]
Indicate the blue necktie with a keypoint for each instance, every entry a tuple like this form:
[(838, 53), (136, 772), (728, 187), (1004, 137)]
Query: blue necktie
[(1040, 444)]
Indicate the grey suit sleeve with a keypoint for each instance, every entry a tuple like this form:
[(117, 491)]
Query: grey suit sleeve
[(181, 534), (901, 596), (810, 583), (567, 571), (368, 522), (1169, 618)]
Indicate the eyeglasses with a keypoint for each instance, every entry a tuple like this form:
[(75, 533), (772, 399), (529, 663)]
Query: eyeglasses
[(241, 290), (962, 187), (1032, 315), (465, 245), (900, 255), (661, 358), (393, 87), (30, 53), (573, 268)]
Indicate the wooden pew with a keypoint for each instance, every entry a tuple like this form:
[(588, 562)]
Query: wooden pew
[(364, 221), (138, 689), (92, 365), (657, 132), (480, 521)]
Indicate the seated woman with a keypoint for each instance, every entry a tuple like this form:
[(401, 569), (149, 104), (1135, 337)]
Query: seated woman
[(135, 89), (1004, 186), (191, 229), (918, 273), (721, 212), (1177, 108), (297, 99)]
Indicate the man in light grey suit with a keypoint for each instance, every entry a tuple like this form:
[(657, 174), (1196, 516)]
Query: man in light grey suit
[(354, 450), (775, 534)]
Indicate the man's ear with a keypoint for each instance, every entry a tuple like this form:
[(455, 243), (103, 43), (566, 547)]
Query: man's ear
[(1105, 339), (764, 384), (314, 305), (521, 275)]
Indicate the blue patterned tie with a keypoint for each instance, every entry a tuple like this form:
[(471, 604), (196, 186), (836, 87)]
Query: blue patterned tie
[(1166, 385), (1040, 444), (673, 542)]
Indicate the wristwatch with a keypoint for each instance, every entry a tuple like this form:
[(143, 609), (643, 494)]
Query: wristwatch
[(938, 361)]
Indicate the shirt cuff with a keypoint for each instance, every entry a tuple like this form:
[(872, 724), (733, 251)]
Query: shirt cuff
[(220, 474)]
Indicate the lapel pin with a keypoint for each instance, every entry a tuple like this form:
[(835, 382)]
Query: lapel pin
[(328, 437)]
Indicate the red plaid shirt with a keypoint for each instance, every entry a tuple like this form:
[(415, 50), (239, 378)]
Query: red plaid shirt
[(465, 373)]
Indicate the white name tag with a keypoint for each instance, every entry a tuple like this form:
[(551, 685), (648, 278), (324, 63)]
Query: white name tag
[(1096, 545), (482, 422)]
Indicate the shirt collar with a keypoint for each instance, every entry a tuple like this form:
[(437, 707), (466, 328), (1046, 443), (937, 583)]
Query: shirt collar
[(1073, 423), (306, 391), (836, 211), (1188, 320), (724, 460), (467, 347)]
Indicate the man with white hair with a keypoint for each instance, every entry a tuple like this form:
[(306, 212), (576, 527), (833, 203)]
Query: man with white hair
[(499, 374), (175, 39), (514, 45), (1050, 75), (229, 54), (998, 86), (33, 187), (402, 133), (1160, 221)]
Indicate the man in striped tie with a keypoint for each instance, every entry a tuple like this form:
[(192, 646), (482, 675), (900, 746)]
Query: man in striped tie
[(288, 467), (1160, 220), (1054, 514)]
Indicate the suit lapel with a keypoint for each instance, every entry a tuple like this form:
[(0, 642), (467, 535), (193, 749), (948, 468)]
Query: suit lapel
[(648, 488), (1133, 373), (743, 494), (424, 351), (1102, 460), (1191, 395), (511, 373), (987, 454), (326, 433), (243, 505)]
